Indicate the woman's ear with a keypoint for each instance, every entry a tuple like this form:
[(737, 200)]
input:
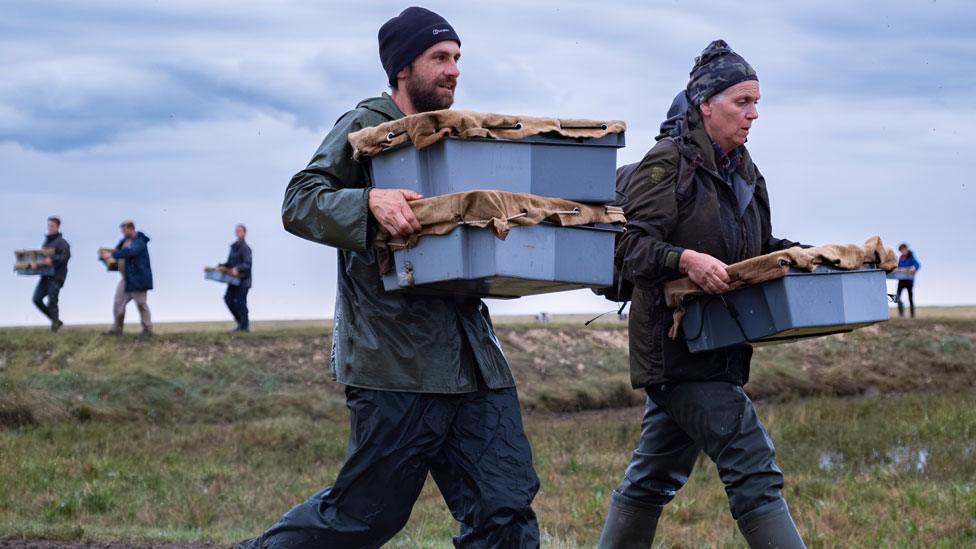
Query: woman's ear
[(706, 109)]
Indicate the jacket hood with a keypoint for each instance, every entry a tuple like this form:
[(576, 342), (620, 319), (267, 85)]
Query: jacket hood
[(141, 235), (676, 116), (384, 105)]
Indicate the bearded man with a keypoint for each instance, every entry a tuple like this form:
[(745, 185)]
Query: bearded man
[(427, 385)]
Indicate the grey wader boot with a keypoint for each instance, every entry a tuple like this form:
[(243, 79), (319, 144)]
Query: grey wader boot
[(770, 526), (629, 525)]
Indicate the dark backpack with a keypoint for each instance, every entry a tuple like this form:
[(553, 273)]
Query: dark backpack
[(688, 161)]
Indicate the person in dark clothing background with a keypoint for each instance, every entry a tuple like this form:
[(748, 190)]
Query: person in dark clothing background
[(427, 385), (239, 265), (695, 204), (907, 267), (133, 255), (49, 287)]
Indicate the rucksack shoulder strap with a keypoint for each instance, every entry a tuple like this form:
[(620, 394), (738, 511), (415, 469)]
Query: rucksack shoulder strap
[(689, 159)]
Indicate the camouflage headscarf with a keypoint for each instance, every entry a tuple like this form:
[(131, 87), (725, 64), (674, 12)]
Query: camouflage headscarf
[(717, 68)]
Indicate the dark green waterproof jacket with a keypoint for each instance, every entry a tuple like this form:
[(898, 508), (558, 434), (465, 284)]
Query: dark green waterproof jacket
[(382, 340), (676, 199)]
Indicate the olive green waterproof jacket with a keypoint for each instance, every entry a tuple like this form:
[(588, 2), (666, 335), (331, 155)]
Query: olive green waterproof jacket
[(677, 199), (381, 340)]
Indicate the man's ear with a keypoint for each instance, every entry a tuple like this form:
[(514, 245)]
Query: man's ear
[(404, 74)]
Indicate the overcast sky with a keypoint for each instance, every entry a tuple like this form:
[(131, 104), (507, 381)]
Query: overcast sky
[(189, 117)]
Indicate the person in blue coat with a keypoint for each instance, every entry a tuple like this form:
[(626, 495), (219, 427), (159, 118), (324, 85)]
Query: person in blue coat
[(132, 253), (908, 266), (239, 265)]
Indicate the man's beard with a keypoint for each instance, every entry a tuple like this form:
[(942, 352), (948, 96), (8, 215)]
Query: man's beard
[(426, 97)]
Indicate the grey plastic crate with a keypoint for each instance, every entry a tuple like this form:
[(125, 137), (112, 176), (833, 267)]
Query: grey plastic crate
[(223, 277), (801, 304), (583, 170), (531, 260), (36, 271), (901, 275)]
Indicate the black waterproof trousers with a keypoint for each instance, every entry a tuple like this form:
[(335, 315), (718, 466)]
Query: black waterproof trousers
[(684, 419), (902, 286), (48, 287), (472, 444), (236, 300)]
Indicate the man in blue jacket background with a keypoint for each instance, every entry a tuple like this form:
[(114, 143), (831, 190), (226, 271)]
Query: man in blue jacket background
[(132, 252), (907, 267)]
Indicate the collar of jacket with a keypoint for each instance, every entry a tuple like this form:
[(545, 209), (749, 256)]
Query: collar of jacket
[(51, 237), (383, 105), (693, 133)]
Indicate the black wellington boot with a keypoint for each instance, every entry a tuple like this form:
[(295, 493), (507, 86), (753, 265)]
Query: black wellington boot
[(629, 524), (770, 526)]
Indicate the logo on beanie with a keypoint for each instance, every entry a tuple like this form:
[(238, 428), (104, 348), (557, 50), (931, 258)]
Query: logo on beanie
[(438, 31)]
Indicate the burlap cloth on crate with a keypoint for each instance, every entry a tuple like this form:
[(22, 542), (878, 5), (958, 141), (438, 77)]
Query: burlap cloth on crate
[(775, 265), (22, 261), (497, 211), (427, 128)]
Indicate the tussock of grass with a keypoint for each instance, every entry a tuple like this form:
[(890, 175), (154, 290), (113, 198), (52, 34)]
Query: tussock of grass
[(212, 377)]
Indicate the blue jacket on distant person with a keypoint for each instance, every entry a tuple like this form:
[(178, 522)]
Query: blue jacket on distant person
[(138, 271), (908, 261)]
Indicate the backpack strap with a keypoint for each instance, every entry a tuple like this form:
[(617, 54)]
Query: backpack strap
[(689, 159)]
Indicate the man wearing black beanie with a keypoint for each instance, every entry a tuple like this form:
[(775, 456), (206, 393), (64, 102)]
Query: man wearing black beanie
[(427, 385)]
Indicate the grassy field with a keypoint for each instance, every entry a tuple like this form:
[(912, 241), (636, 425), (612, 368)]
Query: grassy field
[(205, 437)]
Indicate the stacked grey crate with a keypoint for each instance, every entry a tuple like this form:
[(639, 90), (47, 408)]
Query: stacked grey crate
[(801, 304), (105, 256), (30, 262), (531, 260), (221, 274)]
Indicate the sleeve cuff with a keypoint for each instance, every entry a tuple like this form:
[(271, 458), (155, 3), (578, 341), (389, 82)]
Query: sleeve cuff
[(672, 259)]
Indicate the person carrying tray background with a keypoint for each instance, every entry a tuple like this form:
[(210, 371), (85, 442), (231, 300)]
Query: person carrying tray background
[(239, 265), (427, 385), (695, 204), (906, 264), (50, 286), (132, 252)]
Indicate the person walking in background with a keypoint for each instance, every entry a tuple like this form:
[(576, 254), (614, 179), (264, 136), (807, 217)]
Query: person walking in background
[(907, 267), (239, 265), (133, 255), (49, 286)]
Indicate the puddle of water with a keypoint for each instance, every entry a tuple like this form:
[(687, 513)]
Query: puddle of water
[(899, 458), (921, 460), (905, 458), (829, 461)]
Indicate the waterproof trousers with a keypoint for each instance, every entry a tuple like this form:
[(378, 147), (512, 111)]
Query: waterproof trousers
[(908, 285), (686, 418), (236, 300), (474, 447), (49, 288)]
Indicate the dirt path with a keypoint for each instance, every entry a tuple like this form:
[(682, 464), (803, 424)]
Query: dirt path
[(60, 544)]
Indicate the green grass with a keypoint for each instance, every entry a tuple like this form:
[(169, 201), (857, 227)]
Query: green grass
[(206, 437), (221, 483)]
